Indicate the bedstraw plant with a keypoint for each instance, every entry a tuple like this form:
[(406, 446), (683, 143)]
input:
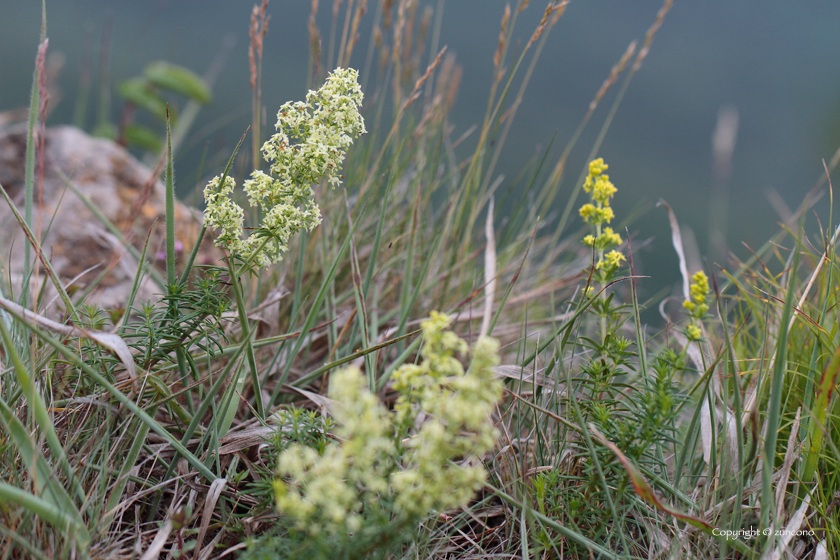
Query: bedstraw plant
[(304, 400)]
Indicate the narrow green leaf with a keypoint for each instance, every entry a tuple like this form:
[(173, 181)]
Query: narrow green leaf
[(819, 412), (72, 528), (39, 411)]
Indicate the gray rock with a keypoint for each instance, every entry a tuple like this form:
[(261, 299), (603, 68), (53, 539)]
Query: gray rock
[(77, 242)]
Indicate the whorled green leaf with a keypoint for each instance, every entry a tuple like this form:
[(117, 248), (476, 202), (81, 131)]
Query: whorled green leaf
[(140, 92), (178, 79), (643, 489)]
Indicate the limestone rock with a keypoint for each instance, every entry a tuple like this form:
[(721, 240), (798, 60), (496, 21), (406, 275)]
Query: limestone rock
[(77, 243)]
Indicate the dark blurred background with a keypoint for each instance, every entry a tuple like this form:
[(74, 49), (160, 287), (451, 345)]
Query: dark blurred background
[(765, 73)]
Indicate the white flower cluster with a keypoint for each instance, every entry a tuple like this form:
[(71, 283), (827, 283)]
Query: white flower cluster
[(444, 411), (310, 145), (457, 407), (328, 492)]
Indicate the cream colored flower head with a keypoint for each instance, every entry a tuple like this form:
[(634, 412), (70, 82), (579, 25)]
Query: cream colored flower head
[(422, 458), (309, 146)]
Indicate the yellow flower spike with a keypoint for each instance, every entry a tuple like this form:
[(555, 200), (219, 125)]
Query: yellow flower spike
[(603, 190), (589, 240), (696, 304)]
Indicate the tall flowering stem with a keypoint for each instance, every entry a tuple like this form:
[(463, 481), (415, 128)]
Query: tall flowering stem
[(599, 213)]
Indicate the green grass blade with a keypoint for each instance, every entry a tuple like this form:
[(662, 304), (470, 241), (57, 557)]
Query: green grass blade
[(39, 411), (244, 325), (122, 398), (70, 308), (772, 425), (819, 413), (48, 486), (72, 528), (316, 306)]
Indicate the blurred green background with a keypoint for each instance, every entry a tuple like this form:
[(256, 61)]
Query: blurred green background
[(777, 63)]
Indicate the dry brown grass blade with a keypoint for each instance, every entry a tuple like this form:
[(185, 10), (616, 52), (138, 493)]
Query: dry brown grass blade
[(497, 58), (354, 30), (112, 342), (790, 456), (676, 239), (154, 550), (244, 439), (489, 272), (207, 513), (415, 93), (660, 17), (325, 403), (790, 530)]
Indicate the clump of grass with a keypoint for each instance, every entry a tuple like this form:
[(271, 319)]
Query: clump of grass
[(168, 429)]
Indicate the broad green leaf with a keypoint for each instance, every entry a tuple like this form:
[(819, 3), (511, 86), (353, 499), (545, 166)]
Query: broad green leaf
[(141, 93), (178, 79)]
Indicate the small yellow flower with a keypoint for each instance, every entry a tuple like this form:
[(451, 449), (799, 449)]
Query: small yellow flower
[(696, 304), (611, 260), (603, 190), (597, 166), (693, 332), (610, 237), (595, 215), (587, 212)]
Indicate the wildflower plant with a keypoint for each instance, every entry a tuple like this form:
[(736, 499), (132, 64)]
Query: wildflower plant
[(309, 146), (392, 469), (599, 213), (696, 305)]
